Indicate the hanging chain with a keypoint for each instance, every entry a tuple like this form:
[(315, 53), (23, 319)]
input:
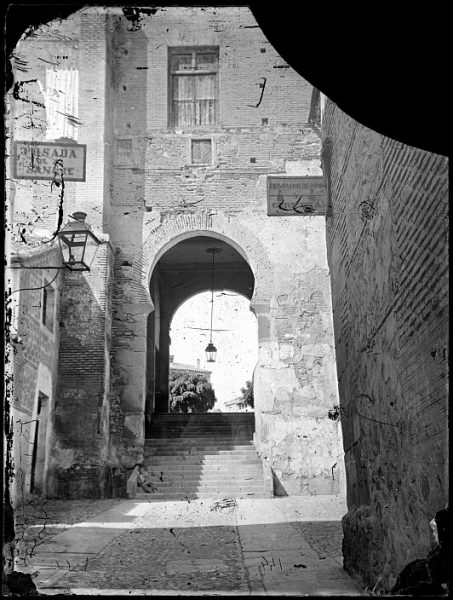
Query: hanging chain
[(212, 294)]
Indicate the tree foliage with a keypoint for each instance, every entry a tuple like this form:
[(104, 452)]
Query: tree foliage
[(190, 393), (247, 394)]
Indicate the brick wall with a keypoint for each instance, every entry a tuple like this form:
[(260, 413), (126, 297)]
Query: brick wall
[(79, 456), (387, 249), (80, 452), (153, 173), (33, 361), (159, 196), (93, 194)]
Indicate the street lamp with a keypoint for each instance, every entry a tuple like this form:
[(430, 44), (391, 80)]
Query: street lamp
[(211, 350), (78, 244)]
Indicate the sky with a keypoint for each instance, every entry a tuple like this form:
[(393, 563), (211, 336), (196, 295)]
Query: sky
[(235, 335)]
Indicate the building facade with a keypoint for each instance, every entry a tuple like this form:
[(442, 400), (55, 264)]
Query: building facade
[(182, 369), (184, 115)]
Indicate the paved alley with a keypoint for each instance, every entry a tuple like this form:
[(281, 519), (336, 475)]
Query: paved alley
[(278, 546)]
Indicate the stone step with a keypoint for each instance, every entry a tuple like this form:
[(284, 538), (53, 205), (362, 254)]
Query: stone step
[(198, 452), (168, 466), (207, 428), (185, 446), (205, 440), (200, 469), (202, 428), (202, 439), (159, 433), (204, 458), (197, 442), (191, 478), (214, 484), (203, 423), (199, 477)]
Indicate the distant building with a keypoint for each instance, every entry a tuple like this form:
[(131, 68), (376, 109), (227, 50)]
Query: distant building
[(189, 369), (237, 405)]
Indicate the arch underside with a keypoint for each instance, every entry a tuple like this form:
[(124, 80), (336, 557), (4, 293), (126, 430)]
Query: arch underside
[(222, 229), (181, 272)]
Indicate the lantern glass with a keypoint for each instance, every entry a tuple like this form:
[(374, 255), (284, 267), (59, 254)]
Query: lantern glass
[(91, 247), (211, 352), (78, 248)]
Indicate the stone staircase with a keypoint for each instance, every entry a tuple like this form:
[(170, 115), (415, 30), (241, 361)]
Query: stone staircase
[(203, 456)]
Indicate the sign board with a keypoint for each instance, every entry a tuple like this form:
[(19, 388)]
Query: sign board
[(36, 160), (289, 196)]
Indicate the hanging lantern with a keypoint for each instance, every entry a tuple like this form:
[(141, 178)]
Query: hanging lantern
[(78, 244), (211, 352)]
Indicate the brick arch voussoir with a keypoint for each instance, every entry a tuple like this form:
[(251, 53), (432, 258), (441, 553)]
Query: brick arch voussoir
[(175, 229)]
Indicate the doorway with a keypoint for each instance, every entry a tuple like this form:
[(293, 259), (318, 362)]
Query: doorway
[(39, 445), (182, 272)]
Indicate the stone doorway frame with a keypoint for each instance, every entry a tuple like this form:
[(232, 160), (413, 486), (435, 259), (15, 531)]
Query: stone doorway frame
[(172, 231)]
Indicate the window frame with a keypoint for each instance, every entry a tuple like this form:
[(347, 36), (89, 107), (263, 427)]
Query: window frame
[(193, 50), (201, 139), (45, 324)]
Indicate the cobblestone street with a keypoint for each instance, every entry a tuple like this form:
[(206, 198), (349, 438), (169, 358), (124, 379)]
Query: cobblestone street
[(263, 546)]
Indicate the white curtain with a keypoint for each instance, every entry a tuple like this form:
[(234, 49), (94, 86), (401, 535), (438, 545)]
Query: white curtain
[(62, 103), (194, 99)]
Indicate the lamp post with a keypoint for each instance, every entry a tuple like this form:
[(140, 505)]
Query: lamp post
[(211, 350)]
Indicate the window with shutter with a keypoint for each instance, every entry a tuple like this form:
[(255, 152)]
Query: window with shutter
[(201, 152), (194, 89)]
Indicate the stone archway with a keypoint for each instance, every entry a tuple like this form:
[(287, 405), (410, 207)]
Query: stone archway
[(174, 230), (184, 270), (129, 361)]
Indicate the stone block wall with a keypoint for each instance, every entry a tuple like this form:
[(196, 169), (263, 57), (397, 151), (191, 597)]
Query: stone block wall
[(387, 252)]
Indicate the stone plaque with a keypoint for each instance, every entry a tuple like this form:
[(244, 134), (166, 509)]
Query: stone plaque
[(290, 196), (37, 160)]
